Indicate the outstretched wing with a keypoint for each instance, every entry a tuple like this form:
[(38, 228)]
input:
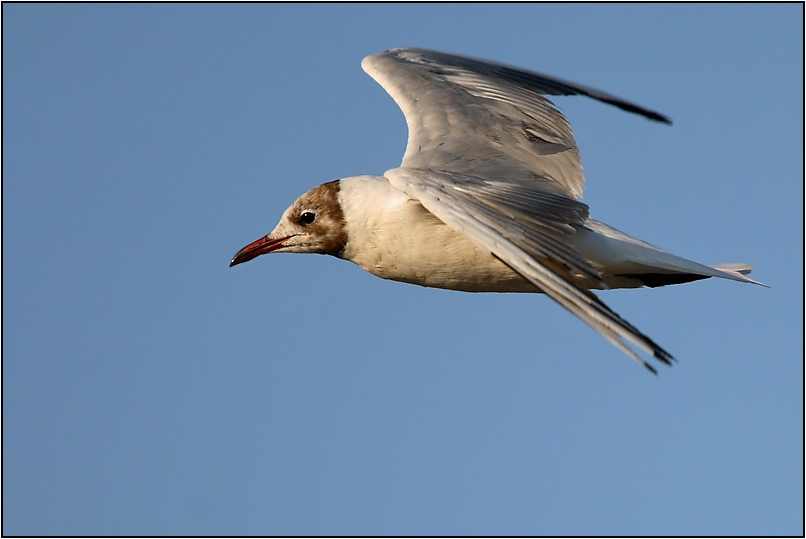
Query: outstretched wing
[(527, 233), (486, 119), (491, 157)]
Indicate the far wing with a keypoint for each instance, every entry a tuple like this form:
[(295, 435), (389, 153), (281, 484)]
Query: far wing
[(527, 231), (486, 119)]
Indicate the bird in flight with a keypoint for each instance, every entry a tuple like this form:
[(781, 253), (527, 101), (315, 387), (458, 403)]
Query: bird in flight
[(486, 198)]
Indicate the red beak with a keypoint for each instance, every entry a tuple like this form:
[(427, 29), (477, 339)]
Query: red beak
[(256, 248)]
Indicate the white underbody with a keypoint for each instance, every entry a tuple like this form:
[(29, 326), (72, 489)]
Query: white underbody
[(393, 237)]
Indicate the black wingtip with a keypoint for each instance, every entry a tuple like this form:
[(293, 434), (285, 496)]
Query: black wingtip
[(663, 356), (636, 109), (661, 118)]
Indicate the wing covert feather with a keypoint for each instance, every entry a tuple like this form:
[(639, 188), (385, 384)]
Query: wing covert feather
[(486, 119)]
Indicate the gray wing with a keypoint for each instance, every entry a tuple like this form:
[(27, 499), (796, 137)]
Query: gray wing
[(486, 119), (491, 157), (527, 230)]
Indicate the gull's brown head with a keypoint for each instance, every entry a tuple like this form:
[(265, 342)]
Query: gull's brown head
[(314, 223)]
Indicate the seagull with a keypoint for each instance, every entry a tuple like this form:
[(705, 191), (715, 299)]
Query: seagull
[(486, 198)]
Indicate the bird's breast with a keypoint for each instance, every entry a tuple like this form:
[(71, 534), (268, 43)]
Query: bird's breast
[(394, 237)]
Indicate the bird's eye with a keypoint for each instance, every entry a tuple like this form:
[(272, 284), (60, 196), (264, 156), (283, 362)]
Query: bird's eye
[(306, 218)]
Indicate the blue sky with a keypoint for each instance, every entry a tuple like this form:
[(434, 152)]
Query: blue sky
[(148, 388)]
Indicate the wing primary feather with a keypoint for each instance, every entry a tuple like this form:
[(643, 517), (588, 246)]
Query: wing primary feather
[(546, 83)]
